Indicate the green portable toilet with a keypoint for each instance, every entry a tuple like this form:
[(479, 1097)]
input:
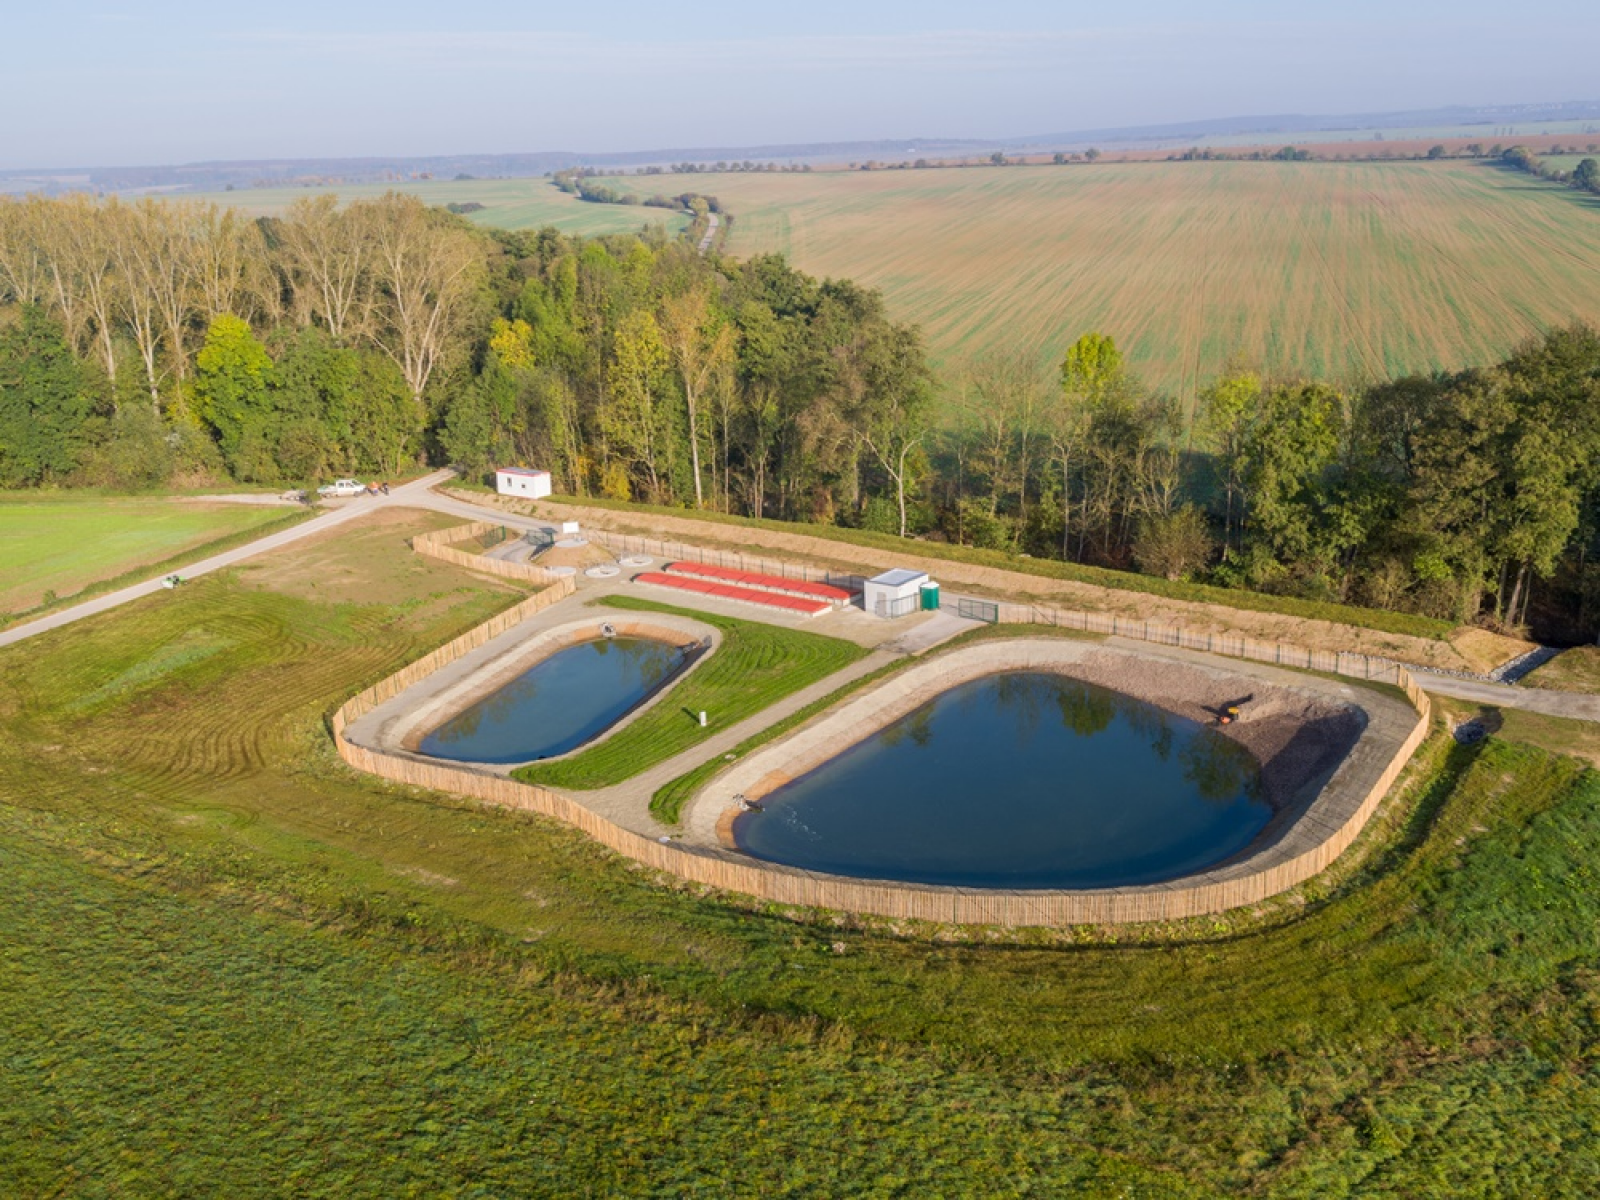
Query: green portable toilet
[(930, 597)]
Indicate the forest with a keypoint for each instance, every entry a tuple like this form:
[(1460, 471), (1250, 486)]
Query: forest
[(173, 343)]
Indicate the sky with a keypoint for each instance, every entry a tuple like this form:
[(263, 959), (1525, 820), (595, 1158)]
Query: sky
[(170, 81)]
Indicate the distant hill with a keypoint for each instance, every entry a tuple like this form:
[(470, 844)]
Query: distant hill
[(1288, 124), (219, 176)]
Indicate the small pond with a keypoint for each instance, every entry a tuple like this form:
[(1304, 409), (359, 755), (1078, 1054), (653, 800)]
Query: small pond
[(559, 704), (1019, 780)]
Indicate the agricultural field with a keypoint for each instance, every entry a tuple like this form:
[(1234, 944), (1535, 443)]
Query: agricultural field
[(235, 965), (59, 543), (1341, 271), (507, 204), (756, 665)]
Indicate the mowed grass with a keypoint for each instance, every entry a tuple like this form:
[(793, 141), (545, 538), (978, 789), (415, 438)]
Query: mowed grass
[(235, 965), (754, 666), (508, 204), (64, 543), (1342, 271), (1573, 670)]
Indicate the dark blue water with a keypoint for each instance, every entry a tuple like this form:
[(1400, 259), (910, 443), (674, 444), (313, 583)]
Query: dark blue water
[(574, 695), (1019, 780)]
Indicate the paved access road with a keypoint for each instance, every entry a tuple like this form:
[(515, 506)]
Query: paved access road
[(416, 494)]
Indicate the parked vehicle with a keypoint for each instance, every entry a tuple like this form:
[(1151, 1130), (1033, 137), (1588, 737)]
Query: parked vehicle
[(342, 487)]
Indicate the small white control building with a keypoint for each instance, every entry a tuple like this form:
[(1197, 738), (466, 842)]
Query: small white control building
[(896, 593), (519, 481)]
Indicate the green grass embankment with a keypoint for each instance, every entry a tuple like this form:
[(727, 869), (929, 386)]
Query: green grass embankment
[(754, 666), (216, 926)]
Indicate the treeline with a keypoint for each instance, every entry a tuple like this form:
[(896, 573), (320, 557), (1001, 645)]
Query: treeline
[(143, 343), (152, 341), (1585, 176), (146, 343), (579, 182), (1446, 495)]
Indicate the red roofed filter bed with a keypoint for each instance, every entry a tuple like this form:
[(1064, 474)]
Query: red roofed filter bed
[(728, 591), (768, 583)]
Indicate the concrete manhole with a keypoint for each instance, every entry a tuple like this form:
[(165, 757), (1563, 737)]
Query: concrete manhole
[(603, 572), (572, 543), (636, 560)]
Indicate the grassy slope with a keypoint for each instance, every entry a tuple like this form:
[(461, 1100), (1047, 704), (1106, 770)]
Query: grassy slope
[(63, 543), (1337, 270), (235, 962), (1574, 670), (508, 204), (755, 666)]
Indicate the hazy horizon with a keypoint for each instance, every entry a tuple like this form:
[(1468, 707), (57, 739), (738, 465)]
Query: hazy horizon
[(123, 85)]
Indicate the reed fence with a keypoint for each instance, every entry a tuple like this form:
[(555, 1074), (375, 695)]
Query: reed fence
[(627, 543), (440, 545)]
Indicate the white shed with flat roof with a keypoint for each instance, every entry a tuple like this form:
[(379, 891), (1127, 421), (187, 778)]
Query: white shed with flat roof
[(520, 481), (895, 593)]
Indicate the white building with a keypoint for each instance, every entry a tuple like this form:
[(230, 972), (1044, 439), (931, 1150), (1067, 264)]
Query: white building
[(519, 481), (896, 593)]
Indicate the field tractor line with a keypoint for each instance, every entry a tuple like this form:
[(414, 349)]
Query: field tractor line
[(1498, 214), (1356, 331)]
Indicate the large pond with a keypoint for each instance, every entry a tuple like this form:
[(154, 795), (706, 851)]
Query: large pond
[(562, 702), (1019, 780)]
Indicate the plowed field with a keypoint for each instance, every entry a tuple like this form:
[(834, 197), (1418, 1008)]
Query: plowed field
[(1337, 270)]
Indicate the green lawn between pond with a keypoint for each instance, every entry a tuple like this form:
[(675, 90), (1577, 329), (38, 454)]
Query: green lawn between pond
[(756, 665), (62, 544), (234, 966)]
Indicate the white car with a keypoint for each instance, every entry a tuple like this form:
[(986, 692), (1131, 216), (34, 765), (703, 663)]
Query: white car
[(342, 487)]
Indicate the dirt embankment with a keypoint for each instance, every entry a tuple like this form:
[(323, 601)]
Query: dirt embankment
[(1029, 589), (1297, 738)]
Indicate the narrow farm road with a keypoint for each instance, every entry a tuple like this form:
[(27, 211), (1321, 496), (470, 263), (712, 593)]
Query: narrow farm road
[(415, 494), (712, 221)]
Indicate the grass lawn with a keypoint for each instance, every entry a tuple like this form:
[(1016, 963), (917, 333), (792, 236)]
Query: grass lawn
[(756, 665), (61, 544), (234, 965), (1574, 670)]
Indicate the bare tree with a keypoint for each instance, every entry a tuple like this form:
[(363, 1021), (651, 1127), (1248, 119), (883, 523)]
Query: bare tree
[(427, 270), (24, 267), (84, 274), (153, 303), (699, 347), (228, 258), (330, 255)]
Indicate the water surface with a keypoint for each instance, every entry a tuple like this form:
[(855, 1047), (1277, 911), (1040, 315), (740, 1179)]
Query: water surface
[(1019, 780), (560, 703)]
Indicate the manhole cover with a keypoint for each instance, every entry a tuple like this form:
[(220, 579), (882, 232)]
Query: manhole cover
[(603, 572), (636, 560)]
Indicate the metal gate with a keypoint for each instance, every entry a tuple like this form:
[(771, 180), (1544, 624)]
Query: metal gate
[(978, 610)]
